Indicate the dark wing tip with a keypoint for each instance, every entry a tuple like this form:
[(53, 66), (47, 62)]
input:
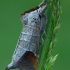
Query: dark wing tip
[(6, 68)]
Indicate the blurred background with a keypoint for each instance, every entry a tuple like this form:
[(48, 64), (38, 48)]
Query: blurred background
[(11, 26)]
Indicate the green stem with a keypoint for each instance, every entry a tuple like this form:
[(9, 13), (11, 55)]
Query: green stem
[(53, 14)]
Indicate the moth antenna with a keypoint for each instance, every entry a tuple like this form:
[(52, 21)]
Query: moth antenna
[(43, 6), (42, 9), (42, 3)]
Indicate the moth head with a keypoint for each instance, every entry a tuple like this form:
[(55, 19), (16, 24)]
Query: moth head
[(33, 18), (32, 15)]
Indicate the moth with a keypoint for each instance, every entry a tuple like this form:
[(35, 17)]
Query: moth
[(25, 56)]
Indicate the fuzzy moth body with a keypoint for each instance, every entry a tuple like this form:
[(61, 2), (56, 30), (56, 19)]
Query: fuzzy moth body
[(25, 56)]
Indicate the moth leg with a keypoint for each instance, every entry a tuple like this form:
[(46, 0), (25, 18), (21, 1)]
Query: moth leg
[(42, 42), (42, 3), (46, 34)]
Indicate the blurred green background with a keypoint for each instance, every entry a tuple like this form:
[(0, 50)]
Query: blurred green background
[(11, 26)]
